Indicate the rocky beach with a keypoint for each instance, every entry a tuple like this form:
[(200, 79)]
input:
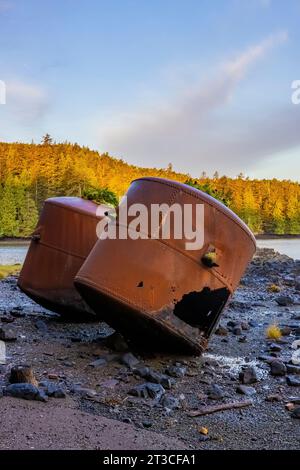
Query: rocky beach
[(93, 391)]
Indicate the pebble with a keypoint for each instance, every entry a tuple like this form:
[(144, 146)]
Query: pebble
[(155, 377), (7, 319), (7, 334), (248, 375), (129, 360), (169, 402), (296, 413), (148, 390), (215, 392), (176, 371), (293, 381), (221, 331), (278, 368), (41, 326), (245, 390), (237, 331), (243, 339), (101, 361), (285, 330), (17, 313), (83, 391), (275, 347), (274, 397), (147, 424), (291, 369), (26, 391), (284, 300), (55, 391), (52, 376)]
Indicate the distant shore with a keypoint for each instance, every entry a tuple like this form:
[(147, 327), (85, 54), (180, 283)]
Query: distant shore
[(262, 236), (272, 236), (14, 241)]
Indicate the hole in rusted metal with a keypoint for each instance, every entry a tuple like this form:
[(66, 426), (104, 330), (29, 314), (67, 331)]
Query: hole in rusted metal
[(140, 284), (209, 259), (201, 309)]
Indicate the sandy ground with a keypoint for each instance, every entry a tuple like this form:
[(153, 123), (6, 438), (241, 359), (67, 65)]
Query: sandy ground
[(99, 412)]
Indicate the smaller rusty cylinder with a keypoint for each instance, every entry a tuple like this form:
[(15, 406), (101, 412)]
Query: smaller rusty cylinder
[(64, 236), (158, 290)]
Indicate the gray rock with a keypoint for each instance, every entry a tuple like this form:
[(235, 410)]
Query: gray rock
[(221, 331), (203, 438), (176, 371), (148, 390), (140, 391), (169, 402), (243, 339), (83, 391), (237, 330), (278, 368), (248, 376), (167, 382), (17, 313), (142, 372), (253, 323), (266, 358), (155, 391), (147, 424), (25, 391), (129, 360), (245, 325), (291, 369), (55, 391), (215, 392), (293, 381), (41, 326), (7, 334), (296, 413), (100, 362), (285, 330), (284, 300), (245, 390), (275, 347), (155, 377)]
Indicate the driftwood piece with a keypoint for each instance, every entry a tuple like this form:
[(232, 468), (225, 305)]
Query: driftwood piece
[(207, 410), (22, 374)]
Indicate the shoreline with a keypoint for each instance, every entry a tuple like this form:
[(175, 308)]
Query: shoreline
[(273, 236), (262, 236)]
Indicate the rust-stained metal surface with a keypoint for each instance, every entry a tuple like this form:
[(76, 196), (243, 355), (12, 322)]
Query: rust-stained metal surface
[(64, 236), (158, 293)]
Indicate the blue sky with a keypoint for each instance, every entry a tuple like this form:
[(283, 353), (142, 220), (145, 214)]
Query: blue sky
[(203, 84)]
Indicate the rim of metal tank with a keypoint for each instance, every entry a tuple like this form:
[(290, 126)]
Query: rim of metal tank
[(197, 193)]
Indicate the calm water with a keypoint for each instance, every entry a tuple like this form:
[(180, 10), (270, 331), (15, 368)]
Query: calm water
[(287, 246), (11, 253)]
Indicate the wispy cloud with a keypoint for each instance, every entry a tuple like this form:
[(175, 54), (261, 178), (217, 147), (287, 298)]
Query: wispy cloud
[(25, 101), (188, 129)]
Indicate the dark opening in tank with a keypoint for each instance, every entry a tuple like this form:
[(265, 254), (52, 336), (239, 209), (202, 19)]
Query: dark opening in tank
[(202, 309)]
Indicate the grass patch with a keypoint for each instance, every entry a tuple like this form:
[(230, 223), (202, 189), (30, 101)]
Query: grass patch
[(274, 288), (8, 270), (273, 332)]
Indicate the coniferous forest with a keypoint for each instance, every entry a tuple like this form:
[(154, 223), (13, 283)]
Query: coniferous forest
[(30, 173)]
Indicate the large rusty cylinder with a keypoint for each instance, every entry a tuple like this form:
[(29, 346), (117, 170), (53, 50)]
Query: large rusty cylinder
[(63, 238), (155, 291)]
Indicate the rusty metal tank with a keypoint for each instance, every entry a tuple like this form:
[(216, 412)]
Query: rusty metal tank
[(157, 292), (64, 236)]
